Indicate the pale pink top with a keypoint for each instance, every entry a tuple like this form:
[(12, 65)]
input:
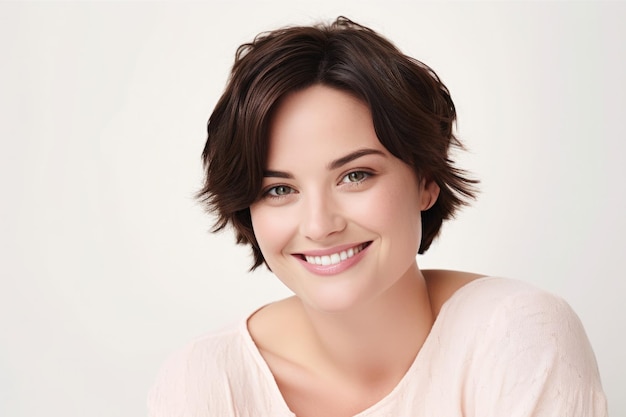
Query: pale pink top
[(498, 348)]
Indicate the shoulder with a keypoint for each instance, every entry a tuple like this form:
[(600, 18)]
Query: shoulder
[(517, 307), (527, 350), (488, 309), (203, 367), (489, 297), (214, 349), (516, 315), (479, 295)]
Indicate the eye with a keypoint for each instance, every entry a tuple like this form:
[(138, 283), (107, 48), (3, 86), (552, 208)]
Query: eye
[(278, 191), (355, 176)]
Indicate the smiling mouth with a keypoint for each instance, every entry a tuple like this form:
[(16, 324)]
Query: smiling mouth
[(335, 258)]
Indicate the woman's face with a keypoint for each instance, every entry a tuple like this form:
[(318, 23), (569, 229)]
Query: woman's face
[(339, 217)]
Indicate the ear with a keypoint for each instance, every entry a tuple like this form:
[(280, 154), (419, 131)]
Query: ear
[(430, 193)]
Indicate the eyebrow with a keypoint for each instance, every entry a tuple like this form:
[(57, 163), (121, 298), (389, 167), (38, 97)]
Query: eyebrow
[(277, 174), (337, 163)]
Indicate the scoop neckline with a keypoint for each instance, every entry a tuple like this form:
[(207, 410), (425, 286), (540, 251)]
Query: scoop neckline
[(278, 398)]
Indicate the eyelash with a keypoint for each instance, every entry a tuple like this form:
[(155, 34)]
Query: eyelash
[(271, 191), (366, 175)]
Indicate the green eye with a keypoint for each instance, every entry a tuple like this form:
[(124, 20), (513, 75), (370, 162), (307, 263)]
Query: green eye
[(279, 191), (356, 176)]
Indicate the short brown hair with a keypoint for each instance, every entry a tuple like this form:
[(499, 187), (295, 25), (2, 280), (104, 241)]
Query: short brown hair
[(411, 108)]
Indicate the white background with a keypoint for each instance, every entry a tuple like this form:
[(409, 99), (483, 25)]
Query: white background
[(106, 265)]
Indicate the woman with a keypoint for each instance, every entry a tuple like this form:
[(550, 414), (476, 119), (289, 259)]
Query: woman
[(328, 154)]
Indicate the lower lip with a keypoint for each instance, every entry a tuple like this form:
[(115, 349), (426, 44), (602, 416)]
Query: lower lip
[(336, 268)]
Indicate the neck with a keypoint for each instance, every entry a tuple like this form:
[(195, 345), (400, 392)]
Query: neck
[(378, 339)]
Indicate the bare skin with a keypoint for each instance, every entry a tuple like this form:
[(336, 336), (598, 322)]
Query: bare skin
[(340, 364)]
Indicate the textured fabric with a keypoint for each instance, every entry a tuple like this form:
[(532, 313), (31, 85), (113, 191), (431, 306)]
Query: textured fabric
[(498, 348)]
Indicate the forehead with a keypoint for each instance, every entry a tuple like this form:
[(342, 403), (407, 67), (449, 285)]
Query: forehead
[(320, 121)]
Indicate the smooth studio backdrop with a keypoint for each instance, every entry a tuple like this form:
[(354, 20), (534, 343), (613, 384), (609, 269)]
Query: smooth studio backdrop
[(106, 265)]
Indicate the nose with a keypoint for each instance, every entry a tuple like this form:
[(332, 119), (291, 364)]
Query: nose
[(321, 217)]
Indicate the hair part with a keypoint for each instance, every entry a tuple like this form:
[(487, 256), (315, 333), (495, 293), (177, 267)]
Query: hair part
[(412, 112)]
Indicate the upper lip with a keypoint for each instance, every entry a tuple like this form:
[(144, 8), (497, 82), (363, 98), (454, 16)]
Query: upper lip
[(330, 251)]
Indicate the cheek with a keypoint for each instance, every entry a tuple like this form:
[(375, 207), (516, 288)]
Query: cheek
[(270, 229), (395, 213), (261, 224), (393, 204)]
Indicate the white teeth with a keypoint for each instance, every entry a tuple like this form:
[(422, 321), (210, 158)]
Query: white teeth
[(334, 258)]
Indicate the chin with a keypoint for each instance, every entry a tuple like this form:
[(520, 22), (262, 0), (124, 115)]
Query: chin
[(333, 300)]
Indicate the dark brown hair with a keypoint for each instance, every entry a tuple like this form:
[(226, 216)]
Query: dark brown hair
[(412, 112)]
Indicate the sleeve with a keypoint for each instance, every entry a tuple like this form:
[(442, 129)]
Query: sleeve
[(535, 361), (191, 383), (210, 377), (167, 396)]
